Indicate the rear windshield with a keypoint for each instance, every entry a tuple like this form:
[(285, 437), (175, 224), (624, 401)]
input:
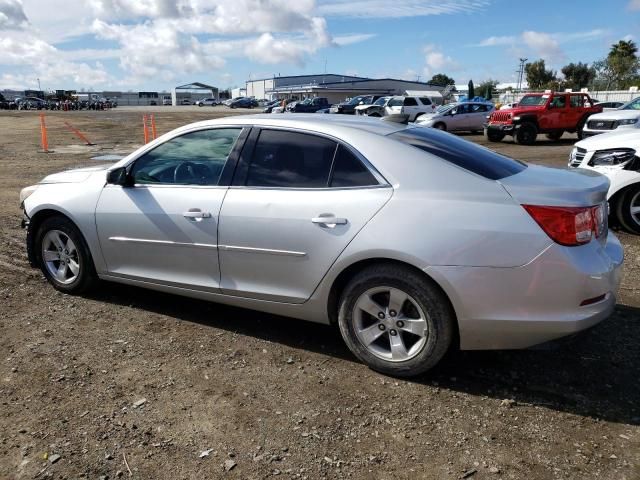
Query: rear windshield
[(462, 153)]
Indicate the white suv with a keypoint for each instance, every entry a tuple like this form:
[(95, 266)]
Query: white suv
[(412, 106), (627, 116), (617, 156)]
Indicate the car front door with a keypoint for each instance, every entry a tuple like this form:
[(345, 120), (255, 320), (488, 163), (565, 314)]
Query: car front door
[(296, 202), (162, 227), (458, 120), (411, 108)]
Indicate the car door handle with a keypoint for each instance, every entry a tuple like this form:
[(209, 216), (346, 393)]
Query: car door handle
[(329, 220), (196, 214)]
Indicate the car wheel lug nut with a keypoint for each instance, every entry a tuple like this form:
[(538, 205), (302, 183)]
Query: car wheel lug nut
[(400, 323), (392, 313), (381, 315), (381, 326), (393, 332)]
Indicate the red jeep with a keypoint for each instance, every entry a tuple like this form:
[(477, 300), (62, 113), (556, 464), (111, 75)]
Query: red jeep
[(548, 113)]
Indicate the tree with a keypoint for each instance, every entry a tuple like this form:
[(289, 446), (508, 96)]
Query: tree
[(487, 87), (578, 75), (538, 77), (623, 62), (472, 92), (441, 79)]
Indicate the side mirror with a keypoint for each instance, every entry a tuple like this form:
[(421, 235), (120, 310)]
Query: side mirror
[(454, 112), (361, 102), (117, 176)]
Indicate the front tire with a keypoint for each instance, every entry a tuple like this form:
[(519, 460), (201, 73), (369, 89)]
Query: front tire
[(526, 134), (395, 320), (440, 126), (628, 210), (64, 257), (494, 136)]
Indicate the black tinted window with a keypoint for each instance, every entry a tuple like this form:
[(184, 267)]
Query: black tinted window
[(348, 171), (410, 102), (289, 159), (195, 158), (467, 155), (425, 100)]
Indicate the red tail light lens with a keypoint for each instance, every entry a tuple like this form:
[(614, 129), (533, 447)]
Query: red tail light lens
[(569, 226)]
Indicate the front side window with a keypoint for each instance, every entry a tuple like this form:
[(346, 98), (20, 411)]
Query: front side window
[(577, 101), (634, 105), (195, 158), (395, 102)]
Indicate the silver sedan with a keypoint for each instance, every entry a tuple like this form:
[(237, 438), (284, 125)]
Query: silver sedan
[(411, 240)]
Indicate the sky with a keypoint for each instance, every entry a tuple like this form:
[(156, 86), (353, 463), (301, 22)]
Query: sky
[(157, 44)]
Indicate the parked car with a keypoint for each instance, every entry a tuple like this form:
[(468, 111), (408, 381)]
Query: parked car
[(549, 113), (456, 117), (376, 109), (349, 107), (281, 109), (627, 116), (415, 107), (310, 105), (610, 105), (409, 239), (244, 102), (210, 102), (185, 101), (32, 103), (617, 156), (268, 107), (508, 106)]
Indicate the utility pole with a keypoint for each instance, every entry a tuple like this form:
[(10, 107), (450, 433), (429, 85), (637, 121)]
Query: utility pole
[(521, 74), (39, 87)]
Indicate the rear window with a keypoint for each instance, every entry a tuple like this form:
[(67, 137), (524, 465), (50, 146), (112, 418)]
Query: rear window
[(462, 153)]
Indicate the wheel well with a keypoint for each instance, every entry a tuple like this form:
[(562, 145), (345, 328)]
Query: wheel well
[(348, 273), (435, 125), (34, 225)]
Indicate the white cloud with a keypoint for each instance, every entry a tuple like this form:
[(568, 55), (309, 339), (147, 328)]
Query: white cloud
[(634, 5), (543, 45), (437, 62), (12, 15), (352, 38), (398, 8)]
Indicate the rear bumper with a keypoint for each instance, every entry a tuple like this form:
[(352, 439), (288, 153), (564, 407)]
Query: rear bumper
[(514, 308)]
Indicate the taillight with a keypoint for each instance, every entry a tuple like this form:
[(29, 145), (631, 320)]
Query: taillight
[(570, 226)]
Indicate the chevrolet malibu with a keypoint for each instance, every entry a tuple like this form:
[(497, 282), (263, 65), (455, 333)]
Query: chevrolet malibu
[(409, 239)]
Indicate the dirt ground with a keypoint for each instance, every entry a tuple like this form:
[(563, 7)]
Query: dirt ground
[(131, 383)]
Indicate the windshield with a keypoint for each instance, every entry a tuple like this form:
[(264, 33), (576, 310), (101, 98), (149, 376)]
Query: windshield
[(381, 101), (357, 100), (462, 153), (633, 105), (533, 100)]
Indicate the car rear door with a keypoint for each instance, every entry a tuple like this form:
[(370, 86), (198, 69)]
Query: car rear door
[(296, 202), (411, 107), (163, 227)]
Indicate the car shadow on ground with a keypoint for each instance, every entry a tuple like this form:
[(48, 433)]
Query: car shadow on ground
[(595, 373)]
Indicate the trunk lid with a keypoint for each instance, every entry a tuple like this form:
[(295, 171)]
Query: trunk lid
[(537, 185)]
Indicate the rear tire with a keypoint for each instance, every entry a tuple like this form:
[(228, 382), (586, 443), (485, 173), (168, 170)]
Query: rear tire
[(554, 136), (494, 136), (526, 134), (64, 256), (417, 327), (625, 206), (580, 128)]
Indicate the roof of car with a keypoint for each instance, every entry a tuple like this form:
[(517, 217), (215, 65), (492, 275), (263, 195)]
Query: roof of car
[(309, 121)]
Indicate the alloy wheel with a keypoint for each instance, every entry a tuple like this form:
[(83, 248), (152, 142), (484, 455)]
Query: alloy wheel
[(635, 208), (390, 324), (60, 257)]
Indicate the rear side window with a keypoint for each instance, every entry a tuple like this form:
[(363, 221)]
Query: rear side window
[(462, 153), (290, 160), (425, 100), (348, 171), (410, 102)]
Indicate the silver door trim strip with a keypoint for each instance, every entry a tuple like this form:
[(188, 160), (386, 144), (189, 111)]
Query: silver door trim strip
[(162, 242), (229, 248), (269, 251)]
